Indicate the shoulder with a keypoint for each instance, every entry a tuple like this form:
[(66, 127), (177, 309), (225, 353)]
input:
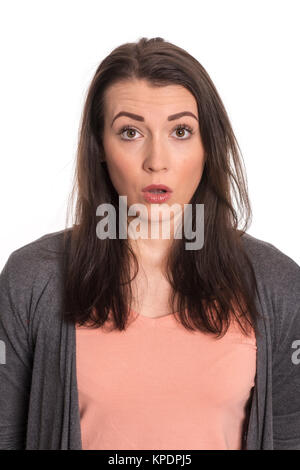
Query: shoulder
[(272, 267), (37, 258), (33, 271), (278, 282), (50, 241)]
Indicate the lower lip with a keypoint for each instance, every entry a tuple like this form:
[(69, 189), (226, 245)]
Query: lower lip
[(156, 197)]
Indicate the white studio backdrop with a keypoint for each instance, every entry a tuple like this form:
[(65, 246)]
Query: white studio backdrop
[(50, 51)]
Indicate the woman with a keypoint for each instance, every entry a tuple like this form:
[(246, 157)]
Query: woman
[(119, 342)]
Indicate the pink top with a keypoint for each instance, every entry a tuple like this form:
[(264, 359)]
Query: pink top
[(157, 386)]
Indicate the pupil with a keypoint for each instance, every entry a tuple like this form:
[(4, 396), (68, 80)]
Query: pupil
[(130, 131)]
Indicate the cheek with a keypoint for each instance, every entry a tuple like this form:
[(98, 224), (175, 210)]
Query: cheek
[(191, 169), (121, 172)]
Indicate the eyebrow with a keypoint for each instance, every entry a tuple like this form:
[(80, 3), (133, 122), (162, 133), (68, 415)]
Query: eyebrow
[(137, 117)]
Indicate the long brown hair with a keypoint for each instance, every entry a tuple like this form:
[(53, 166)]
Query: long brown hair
[(211, 285)]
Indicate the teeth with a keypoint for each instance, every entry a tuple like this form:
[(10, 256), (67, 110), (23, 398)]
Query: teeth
[(157, 191)]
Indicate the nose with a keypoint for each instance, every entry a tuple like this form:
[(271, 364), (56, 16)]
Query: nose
[(156, 158)]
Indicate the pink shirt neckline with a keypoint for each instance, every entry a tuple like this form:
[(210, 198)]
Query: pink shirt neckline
[(147, 319)]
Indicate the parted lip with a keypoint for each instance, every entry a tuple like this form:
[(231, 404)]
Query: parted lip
[(157, 186)]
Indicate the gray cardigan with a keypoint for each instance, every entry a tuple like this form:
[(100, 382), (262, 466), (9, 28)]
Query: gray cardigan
[(38, 388)]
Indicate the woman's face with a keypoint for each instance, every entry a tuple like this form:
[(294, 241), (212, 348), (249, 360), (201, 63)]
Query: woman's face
[(152, 151)]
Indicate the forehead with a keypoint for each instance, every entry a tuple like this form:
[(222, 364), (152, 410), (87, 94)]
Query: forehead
[(139, 94)]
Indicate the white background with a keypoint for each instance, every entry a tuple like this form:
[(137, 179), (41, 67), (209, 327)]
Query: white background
[(50, 51)]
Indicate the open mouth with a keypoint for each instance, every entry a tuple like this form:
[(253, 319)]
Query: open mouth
[(157, 191), (157, 195)]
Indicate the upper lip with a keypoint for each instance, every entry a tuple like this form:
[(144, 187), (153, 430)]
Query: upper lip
[(157, 186)]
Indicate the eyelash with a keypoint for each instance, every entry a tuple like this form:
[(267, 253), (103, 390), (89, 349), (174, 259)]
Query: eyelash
[(180, 126)]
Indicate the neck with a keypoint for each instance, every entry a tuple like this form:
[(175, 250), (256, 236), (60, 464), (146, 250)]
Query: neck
[(152, 252)]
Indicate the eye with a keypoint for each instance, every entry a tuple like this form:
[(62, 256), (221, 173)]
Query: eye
[(183, 127), (131, 130), (126, 129)]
